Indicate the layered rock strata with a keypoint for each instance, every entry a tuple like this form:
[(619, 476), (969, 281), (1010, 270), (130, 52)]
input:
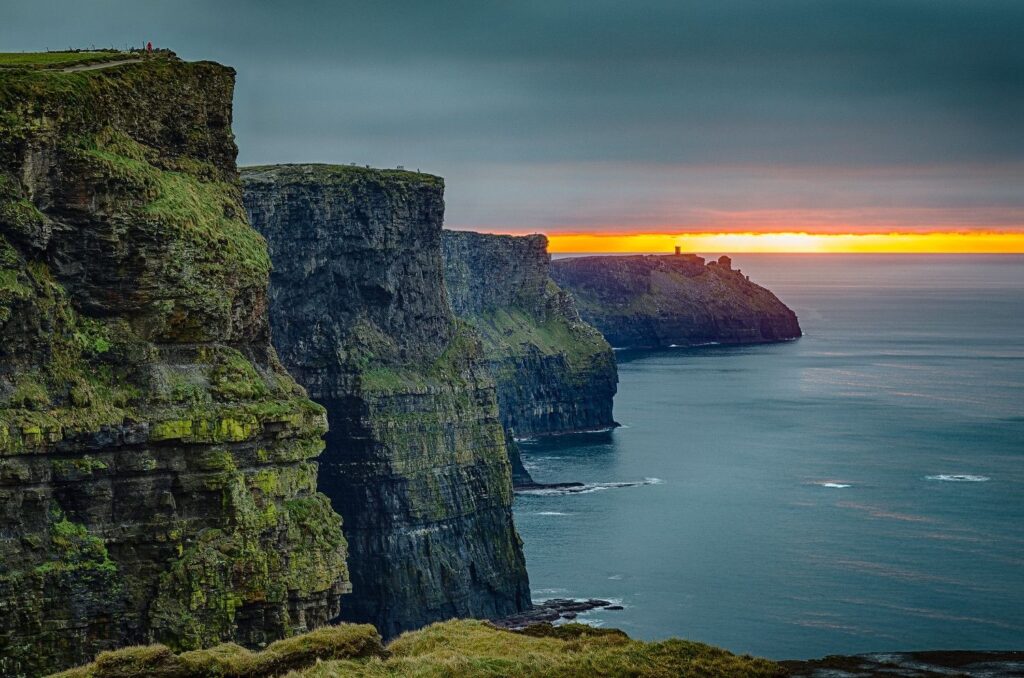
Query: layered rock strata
[(554, 372), (157, 473), (654, 301), (415, 459)]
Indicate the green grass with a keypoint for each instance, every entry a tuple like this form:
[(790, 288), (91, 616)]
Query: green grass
[(338, 174), (464, 648), (346, 641), (392, 376), (58, 59), (514, 332)]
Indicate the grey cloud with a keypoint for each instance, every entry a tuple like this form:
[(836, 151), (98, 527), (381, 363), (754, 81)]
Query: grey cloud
[(530, 86)]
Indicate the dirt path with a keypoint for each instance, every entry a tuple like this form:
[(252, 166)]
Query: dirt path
[(96, 67)]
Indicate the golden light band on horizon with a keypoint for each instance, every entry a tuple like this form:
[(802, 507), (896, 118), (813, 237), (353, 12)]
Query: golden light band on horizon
[(809, 243)]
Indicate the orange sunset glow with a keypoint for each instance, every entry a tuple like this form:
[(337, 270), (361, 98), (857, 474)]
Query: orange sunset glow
[(969, 242)]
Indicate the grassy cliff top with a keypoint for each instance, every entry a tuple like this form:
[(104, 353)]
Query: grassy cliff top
[(61, 59), (334, 174), (453, 648)]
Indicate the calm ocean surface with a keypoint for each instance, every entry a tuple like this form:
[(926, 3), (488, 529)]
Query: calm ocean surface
[(861, 489)]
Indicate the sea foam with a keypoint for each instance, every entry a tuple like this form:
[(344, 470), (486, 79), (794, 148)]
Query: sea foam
[(588, 488), (958, 478)]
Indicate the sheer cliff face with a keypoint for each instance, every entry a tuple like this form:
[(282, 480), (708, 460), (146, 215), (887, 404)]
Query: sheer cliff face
[(415, 458), (657, 301), (555, 373), (157, 473)]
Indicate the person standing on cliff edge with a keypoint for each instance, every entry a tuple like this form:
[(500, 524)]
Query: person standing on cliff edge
[(149, 47)]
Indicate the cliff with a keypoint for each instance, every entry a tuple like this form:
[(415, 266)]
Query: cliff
[(157, 473), (415, 459), (653, 301), (554, 372)]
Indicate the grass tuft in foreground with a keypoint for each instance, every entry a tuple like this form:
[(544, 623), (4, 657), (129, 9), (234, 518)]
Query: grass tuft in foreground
[(347, 641), (455, 648)]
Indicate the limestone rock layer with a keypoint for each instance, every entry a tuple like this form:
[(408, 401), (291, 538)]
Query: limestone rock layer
[(554, 372), (655, 301), (157, 473), (415, 458)]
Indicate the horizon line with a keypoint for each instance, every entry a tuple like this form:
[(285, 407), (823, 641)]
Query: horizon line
[(793, 242)]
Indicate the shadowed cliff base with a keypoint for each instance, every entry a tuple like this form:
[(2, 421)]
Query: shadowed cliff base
[(661, 301), (415, 459)]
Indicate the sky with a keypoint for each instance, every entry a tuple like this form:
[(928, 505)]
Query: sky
[(591, 120)]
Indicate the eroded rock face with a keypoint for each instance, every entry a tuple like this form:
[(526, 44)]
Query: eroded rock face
[(653, 301), (555, 373), (157, 473), (415, 459)]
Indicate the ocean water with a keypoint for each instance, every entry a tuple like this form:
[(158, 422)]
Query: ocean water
[(861, 489)]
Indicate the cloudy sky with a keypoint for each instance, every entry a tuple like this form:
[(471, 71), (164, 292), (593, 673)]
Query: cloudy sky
[(608, 116)]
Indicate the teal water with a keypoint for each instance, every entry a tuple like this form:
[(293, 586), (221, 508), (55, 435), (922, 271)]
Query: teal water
[(802, 498)]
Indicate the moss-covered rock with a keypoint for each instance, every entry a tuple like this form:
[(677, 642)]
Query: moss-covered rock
[(156, 473)]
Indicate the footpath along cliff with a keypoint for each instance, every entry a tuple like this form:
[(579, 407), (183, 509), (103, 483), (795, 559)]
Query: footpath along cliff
[(157, 480), (415, 461)]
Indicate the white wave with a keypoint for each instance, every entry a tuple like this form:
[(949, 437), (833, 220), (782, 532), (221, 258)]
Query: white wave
[(606, 429), (552, 513), (958, 478), (587, 488), (838, 486)]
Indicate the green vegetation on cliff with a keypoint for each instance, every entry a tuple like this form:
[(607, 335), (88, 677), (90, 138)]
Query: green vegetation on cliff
[(156, 473), (513, 332), (60, 59), (343, 178), (469, 649)]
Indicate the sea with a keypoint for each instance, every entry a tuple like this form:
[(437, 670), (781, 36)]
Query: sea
[(860, 489)]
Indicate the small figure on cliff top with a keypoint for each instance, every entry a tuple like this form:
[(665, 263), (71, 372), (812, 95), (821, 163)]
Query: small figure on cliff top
[(679, 250), (149, 47)]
